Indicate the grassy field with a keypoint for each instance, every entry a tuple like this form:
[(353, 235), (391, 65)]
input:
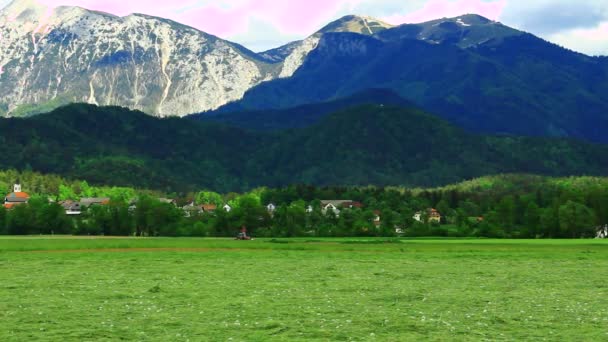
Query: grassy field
[(329, 290)]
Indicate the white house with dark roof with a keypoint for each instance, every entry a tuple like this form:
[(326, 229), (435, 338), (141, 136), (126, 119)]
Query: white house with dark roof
[(72, 208), (333, 205), (192, 209)]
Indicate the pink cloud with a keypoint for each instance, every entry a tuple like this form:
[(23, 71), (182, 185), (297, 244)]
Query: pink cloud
[(223, 18), (231, 18), (435, 9), (294, 17), (123, 7)]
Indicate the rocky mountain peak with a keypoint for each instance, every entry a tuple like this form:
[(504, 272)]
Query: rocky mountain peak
[(356, 24), (472, 19), (465, 31), (293, 54), (20, 12), (54, 56), (20, 6)]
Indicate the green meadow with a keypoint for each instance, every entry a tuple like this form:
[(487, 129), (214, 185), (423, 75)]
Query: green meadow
[(94, 289)]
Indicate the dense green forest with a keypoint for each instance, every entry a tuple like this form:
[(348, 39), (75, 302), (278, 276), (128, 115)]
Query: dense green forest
[(366, 144), (505, 206)]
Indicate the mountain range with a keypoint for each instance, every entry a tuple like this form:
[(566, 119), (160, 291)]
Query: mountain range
[(360, 145), (476, 73)]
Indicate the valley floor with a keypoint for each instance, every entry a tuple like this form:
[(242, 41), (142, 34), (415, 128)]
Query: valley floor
[(326, 289)]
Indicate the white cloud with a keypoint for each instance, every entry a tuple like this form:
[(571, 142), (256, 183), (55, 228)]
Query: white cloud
[(262, 36), (546, 17), (592, 41)]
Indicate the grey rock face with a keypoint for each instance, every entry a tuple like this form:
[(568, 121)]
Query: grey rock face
[(50, 57)]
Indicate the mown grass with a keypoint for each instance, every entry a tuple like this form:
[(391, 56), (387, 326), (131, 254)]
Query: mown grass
[(301, 289)]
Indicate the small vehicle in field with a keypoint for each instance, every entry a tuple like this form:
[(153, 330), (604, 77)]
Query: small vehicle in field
[(243, 235)]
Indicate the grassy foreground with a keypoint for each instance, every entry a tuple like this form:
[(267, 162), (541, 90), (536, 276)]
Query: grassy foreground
[(343, 289)]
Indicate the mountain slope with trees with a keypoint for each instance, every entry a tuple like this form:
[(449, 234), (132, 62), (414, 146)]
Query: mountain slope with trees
[(368, 144), (301, 116), (478, 74)]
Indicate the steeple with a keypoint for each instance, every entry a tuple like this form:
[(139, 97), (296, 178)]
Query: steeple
[(17, 187)]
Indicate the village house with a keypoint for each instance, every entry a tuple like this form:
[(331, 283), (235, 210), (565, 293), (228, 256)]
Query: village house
[(90, 201), (133, 205), (354, 204), (332, 205), (377, 220), (418, 216), (271, 208), (433, 216), (192, 210), (17, 197), (167, 201), (209, 208), (337, 205), (72, 208)]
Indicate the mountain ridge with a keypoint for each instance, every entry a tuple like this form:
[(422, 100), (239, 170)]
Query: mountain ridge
[(517, 84), (301, 116), (356, 24)]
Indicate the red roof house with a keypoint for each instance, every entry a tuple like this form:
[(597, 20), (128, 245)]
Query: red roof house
[(16, 197)]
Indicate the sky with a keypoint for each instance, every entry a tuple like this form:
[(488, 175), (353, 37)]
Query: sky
[(580, 25)]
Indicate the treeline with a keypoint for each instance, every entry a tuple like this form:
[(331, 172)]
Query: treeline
[(59, 188), (509, 206), (497, 207)]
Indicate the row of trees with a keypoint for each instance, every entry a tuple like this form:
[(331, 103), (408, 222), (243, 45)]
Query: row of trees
[(507, 208), (500, 206), (150, 217)]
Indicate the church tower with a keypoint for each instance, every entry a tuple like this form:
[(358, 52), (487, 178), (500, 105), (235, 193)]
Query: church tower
[(16, 197), (17, 187)]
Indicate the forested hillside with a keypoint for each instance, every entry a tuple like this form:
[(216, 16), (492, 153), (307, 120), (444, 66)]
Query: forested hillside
[(301, 116), (518, 84), (369, 144)]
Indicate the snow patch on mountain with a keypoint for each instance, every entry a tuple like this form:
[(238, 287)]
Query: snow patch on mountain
[(462, 23)]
